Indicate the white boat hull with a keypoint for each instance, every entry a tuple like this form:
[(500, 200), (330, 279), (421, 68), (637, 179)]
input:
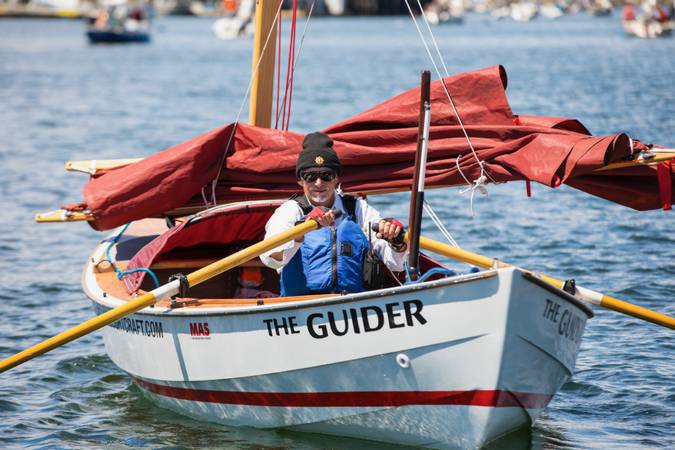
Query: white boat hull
[(452, 363), (648, 29)]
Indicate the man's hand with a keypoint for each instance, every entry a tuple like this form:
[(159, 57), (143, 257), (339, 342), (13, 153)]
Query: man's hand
[(324, 217), (389, 229)]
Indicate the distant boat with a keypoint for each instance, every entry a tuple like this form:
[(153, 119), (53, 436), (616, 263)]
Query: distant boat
[(648, 29), (501, 13), (599, 8), (550, 10), (444, 11), (650, 23), (65, 9), (523, 11), (118, 23), (117, 37), (237, 25), (336, 7)]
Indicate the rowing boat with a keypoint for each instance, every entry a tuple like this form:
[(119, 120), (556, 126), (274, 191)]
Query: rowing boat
[(450, 360)]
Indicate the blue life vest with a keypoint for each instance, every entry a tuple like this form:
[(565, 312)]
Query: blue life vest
[(329, 260)]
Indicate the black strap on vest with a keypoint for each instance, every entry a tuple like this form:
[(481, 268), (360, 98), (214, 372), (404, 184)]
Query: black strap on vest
[(349, 202), (373, 268)]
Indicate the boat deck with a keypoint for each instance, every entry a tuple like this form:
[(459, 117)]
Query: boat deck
[(107, 280), (140, 233)]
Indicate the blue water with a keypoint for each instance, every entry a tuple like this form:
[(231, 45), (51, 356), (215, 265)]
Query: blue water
[(62, 99)]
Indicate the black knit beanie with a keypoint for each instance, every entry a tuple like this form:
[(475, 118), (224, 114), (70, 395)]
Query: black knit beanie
[(317, 151)]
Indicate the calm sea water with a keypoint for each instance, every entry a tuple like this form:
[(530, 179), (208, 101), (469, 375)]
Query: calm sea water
[(62, 99)]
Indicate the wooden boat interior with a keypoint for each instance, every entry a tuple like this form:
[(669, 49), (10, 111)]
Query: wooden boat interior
[(195, 242)]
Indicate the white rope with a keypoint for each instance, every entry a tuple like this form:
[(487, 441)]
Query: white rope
[(484, 175), (477, 185), (393, 275), (241, 108), (206, 200), (445, 88), (437, 221), (302, 38)]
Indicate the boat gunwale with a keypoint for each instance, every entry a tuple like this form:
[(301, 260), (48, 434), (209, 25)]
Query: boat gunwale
[(186, 310), (192, 311), (564, 294), (189, 311)]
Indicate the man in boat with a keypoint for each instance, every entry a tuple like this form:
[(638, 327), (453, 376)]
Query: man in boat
[(334, 257)]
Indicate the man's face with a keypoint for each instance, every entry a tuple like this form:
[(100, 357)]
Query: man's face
[(319, 186)]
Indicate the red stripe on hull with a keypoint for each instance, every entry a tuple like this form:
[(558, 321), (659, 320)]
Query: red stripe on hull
[(494, 399)]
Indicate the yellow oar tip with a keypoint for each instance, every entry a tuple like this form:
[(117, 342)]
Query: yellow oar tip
[(61, 215)]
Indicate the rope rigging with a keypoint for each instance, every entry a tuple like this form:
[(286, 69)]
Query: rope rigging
[(121, 274), (214, 182), (288, 91), (478, 183), (283, 105), (292, 61)]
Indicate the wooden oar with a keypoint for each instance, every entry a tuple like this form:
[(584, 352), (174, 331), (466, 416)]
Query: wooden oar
[(658, 156), (62, 215), (588, 295), (169, 289), (93, 166)]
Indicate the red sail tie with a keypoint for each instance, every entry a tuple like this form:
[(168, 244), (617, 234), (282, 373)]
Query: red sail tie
[(664, 171)]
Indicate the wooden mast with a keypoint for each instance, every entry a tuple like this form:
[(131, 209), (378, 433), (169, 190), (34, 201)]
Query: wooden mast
[(260, 110)]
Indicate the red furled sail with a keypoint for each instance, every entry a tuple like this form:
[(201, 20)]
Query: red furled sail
[(377, 150)]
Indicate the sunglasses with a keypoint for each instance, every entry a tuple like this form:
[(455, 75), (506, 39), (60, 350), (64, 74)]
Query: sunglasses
[(311, 177)]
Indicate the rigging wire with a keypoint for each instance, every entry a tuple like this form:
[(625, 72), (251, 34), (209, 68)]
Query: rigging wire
[(290, 93), (291, 65), (295, 61), (437, 221), (276, 123), (304, 32), (477, 184), (214, 182), (286, 119)]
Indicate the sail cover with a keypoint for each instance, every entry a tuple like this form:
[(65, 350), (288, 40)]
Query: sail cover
[(377, 151)]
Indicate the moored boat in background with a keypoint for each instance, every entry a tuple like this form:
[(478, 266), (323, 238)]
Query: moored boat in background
[(523, 11), (60, 9), (444, 11), (237, 23), (648, 29), (648, 22), (120, 22)]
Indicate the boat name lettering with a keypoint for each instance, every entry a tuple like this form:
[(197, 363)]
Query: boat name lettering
[(570, 325), (199, 329), (287, 325), (148, 328), (355, 320)]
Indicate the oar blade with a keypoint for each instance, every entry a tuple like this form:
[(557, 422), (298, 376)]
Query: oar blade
[(586, 294), (149, 298)]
